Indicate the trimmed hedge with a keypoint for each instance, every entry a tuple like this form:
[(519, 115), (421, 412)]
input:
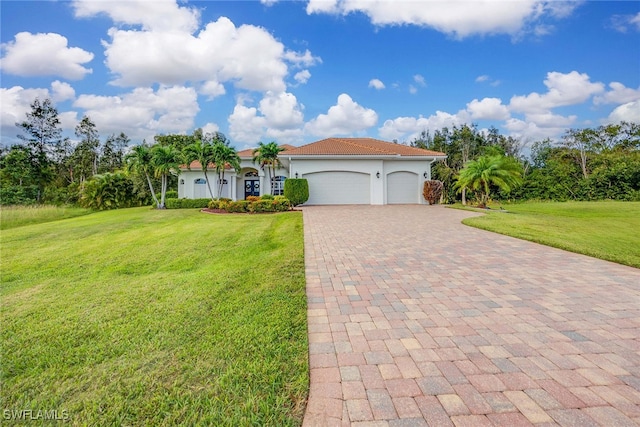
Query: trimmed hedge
[(296, 190), (186, 203), (252, 205)]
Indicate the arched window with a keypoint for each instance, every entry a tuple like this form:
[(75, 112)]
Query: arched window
[(200, 181), (251, 173), (278, 185)]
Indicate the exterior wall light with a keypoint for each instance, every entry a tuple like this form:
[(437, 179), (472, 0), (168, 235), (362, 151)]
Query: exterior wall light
[(425, 175), (377, 174), (296, 175)]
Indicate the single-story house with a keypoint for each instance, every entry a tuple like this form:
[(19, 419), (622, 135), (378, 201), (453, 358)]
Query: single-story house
[(338, 170)]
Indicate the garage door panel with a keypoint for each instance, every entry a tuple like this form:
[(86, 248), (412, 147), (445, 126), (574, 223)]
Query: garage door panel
[(403, 187), (339, 188)]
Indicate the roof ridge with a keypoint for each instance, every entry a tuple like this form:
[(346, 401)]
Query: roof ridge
[(351, 141)]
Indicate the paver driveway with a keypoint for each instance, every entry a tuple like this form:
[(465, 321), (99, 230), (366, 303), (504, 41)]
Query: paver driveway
[(416, 319)]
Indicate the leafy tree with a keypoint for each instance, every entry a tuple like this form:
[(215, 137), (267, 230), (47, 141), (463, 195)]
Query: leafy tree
[(112, 157), (485, 171), (85, 156), (165, 161), (224, 155), (140, 161), (267, 156), (202, 152), (16, 167), (43, 135)]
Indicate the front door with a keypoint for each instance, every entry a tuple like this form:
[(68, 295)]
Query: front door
[(251, 187)]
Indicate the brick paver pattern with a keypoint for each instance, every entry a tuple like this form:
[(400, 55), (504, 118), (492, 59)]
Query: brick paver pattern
[(418, 320)]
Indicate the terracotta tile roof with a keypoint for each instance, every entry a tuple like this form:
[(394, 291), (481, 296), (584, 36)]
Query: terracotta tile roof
[(359, 147), (248, 152)]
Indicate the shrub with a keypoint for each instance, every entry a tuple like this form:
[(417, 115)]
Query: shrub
[(432, 191), (253, 198), (108, 191), (267, 197), (171, 194), (17, 195), (296, 190), (186, 203), (261, 206), (239, 206)]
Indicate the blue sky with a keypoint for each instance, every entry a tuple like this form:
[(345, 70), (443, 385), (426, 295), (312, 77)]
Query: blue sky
[(300, 71)]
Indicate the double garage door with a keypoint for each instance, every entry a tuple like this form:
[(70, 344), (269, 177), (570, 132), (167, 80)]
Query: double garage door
[(353, 188)]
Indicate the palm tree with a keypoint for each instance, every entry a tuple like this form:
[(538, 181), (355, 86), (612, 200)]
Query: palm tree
[(139, 161), (204, 153), (165, 160), (480, 174), (267, 155), (224, 155)]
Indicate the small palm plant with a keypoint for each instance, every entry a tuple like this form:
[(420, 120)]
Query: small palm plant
[(202, 152), (165, 160), (140, 162), (224, 155), (480, 174)]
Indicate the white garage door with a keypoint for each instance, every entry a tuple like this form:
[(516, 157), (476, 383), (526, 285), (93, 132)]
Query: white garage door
[(338, 188), (403, 187)]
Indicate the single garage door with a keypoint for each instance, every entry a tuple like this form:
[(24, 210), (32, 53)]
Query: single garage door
[(339, 188), (403, 187)]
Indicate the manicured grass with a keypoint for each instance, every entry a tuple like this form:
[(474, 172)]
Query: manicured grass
[(17, 216), (607, 230), (143, 317)]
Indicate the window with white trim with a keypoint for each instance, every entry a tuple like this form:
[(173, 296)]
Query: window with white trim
[(278, 185)]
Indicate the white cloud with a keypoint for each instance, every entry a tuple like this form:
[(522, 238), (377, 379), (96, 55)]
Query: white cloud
[(456, 18), (488, 109), (142, 112), (62, 91), (279, 116), (44, 55), (160, 15), (619, 94), (413, 90), (248, 56), (564, 89), (347, 117), (302, 76), (530, 131), (210, 128), (628, 112), (626, 23), (376, 84), (213, 89), (419, 80), (408, 128), (482, 78)]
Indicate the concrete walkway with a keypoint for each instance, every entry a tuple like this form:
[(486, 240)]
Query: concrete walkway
[(416, 319)]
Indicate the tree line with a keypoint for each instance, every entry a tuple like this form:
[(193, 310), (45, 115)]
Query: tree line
[(47, 168), (586, 164)]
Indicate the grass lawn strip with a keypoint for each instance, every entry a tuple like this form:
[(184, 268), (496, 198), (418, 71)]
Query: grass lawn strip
[(18, 216), (607, 230), (156, 317)]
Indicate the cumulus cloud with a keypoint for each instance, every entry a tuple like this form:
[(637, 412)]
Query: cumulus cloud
[(347, 117), (248, 56), (142, 112), (419, 80), (619, 94), (376, 84), (44, 54), (488, 109), (456, 18), (628, 112), (408, 128), (159, 15), (279, 116), (487, 79), (302, 76), (528, 130), (563, 89), (62, 91)]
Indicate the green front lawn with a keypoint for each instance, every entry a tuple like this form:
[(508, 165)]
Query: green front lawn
[(608, 230), (138, 316), (17, 216)]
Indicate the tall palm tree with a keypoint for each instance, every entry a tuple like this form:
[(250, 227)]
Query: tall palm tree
[(203, 152), (480, 174), (267, 156), (165, 160), (224, 155), (139, 161)]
